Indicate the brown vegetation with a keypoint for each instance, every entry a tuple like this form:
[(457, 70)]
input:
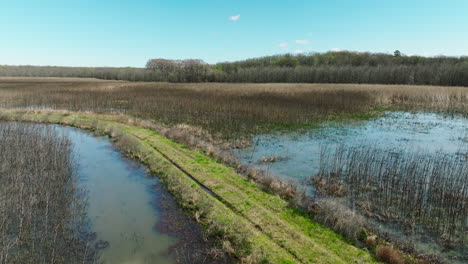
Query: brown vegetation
[(416, 190), (228, 110), (272, 159), (335, 213), (332, 185), (42, 211), (389, 255)]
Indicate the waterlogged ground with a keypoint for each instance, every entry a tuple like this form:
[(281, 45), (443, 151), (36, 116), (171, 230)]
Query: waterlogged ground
[(299, 153), (133, 216)]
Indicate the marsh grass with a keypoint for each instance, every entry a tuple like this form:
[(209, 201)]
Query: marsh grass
[(335, 213), (421, 193), (42, 209), (229, 110)]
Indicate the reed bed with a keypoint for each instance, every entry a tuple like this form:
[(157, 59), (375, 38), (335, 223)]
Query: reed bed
[(421, 193), (229, 110), (42, 211)]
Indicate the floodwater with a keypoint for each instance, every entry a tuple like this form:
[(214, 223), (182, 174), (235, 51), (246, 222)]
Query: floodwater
[(418, 132), (422, 132), (134, 217)]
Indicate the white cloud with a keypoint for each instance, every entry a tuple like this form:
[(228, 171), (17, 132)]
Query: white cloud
[(234, 18), (336, 50), (298, 51), (303, 42), (283, 45)]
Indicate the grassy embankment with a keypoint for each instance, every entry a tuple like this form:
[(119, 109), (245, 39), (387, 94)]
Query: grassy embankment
[(254, 225)]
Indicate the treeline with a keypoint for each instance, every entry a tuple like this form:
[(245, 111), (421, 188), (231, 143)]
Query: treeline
[(444, 75), (330, 67), (348, 67), (340, 59)]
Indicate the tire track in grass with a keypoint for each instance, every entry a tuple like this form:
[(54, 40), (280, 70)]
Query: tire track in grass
[(301, 248), (267, 215)]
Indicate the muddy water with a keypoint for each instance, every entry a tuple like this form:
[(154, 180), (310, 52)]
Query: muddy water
[(133, 216), (301, 151)]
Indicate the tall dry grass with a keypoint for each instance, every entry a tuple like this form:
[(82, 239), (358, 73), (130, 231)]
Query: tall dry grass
[(228, 110), (422, 193), (42, 211)]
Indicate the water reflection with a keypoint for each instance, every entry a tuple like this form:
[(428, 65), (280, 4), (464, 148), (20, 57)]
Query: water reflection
[(301, 152)]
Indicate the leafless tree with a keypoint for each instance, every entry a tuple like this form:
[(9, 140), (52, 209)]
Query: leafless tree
[(162, 65)]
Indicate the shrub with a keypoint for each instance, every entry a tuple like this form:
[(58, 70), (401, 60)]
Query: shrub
[(389, 255), (334, 213)]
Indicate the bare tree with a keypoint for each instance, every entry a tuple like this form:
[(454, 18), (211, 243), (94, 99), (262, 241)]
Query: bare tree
[(161, 65), (194, 70)]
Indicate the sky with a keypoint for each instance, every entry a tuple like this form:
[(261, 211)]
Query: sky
[(121, 33)]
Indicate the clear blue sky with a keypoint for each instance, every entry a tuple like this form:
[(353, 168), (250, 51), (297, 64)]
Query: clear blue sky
[(128, 33)]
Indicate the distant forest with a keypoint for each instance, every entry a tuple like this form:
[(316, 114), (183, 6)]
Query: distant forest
[(330, 67)]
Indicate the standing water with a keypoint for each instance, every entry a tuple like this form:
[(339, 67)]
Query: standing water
[(300, 152), (134, 218), (295, 157)]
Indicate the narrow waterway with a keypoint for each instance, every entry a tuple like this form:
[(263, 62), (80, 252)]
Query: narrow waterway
[(134, 218)]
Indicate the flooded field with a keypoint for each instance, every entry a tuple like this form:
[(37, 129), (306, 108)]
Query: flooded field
[(299, 153), (380, 166)]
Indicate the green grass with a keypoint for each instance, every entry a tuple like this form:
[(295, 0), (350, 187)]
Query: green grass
[(259, 225)]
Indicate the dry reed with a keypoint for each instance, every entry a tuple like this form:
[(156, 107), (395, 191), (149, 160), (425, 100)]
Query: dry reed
[(42, 209)]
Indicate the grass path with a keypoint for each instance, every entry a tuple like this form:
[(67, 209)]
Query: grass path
[(259, 225)]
